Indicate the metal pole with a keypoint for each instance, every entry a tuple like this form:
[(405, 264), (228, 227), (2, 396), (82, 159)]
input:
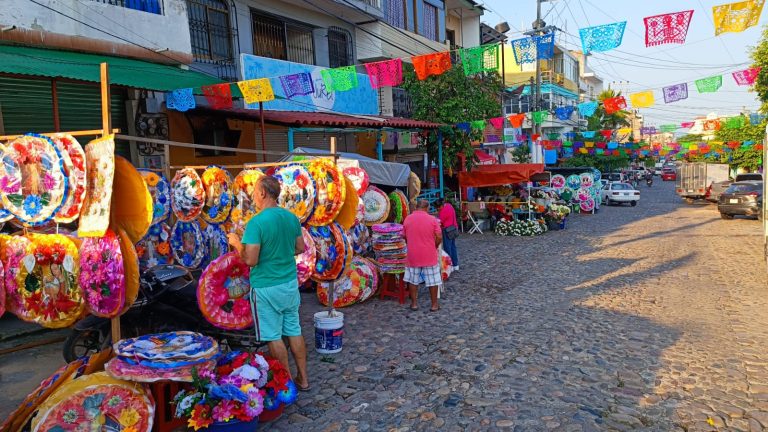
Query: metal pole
[(537, 89), (263, 133), (440, 160), (503, 92)]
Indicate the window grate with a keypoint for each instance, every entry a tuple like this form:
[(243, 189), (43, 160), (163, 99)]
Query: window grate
[(430, 22), (282, 40), (210, 30), (339, 47)]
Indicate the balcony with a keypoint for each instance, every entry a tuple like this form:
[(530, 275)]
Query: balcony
[(399, 43), (151, 6), (350, 10)]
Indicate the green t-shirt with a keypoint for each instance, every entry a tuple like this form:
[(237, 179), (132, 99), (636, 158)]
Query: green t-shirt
[(276, 230)]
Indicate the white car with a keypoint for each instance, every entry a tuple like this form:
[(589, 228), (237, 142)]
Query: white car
[(620, 193)]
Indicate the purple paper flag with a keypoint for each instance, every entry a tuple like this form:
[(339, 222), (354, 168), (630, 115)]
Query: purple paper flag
[(675, 93), (299, 84)]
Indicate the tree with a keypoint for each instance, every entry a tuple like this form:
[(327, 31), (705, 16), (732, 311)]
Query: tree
[(745, 157), (453, 98), (759, 56), (601, 120)]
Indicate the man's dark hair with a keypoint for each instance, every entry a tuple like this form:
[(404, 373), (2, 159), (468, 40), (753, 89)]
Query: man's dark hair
[(439, 202), (270, 186)]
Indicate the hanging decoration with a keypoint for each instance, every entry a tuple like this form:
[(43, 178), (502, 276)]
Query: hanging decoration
[(100, 163), (12, 252), (736, 17), (667, 28), (642, 99), (648, 130), (746, 77), (564, 113), (155, 248), (687, 125), (709, 85), (712, 125), (187, 244), (217, 183), (516, 120), (602, 38), (477, 125), (545, 46), (306, 261), (160, 191), (388, 73), (218, 96), (243, 189), (216, 243), (330, 191), (134, 215), (222, 293), (538, 117), (675, 92), (464, 127), (256, 90), (299, 84), (359, 178), (376, 206), (431, 64), (358, 285), (102, 276), (73, 157), (479, 59), (588, 134), (331, 245), (734, 122), (524, 50), (668, 128), (339, 79), (614, 104), (348, 213), (587, 109), (180, 99), (298, 191), (497, 122), (187, 194), (607, 133)]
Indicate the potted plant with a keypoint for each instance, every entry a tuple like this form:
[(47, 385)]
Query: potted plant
[(555, 216)]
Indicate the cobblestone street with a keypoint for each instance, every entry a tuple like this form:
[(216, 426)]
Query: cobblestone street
[(645, 318)]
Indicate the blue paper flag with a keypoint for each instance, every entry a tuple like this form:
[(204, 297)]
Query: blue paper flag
[(524, 50), (464, 126), (545, 46), (602, 38), (587, 109), (180, 99), (588, 134), (564, 113)]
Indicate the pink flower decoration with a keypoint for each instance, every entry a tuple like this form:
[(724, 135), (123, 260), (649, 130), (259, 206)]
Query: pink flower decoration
[(9, 185), (48, 181)]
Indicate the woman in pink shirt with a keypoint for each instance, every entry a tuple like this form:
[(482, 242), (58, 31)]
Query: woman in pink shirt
[(450, 226)]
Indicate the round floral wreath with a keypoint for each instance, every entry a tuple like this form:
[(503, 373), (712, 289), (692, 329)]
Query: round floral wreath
[(180, 345), (583, 194), (216, 243), (160, 190), (223, 293), (297, 191), (587, 205), (218, 194), (359, 178), (306, 261), (47, 281), (242, 193), (187, 195), (573, 181), (155, 248), (32, 181), (587, 180), (331, 246), (187, 244), (12, 250), (2, 289), (73, 158), (330, 191), (557, 181), (376, 206), (356, 286), (361, 239), (102, 274)]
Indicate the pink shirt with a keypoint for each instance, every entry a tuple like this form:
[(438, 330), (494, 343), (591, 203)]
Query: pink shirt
[(420, 230), (448, 216)]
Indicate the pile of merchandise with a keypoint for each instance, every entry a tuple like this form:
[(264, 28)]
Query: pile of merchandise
[(389, 247)]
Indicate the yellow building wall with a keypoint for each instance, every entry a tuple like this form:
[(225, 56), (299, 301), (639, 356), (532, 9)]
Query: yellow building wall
[(515, 75)]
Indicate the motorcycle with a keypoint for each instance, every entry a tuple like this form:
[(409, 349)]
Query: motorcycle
[(649, 182), (167, 301)]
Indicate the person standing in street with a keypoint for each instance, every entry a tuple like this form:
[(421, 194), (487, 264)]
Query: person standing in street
[(450, 226), (422, 236), (271, 240)]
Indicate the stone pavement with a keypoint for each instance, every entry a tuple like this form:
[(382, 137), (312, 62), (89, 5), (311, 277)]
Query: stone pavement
[(646, 318)]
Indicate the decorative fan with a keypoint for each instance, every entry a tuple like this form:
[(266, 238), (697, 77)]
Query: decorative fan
[(331, 191), (102, 275), (297, 191), (155, 248), (13, 249), (73, 158), (242, 190), (187, 195), (223, 293), (331, 246), (187, 244), (359, 178), (218, 194), (100, 165), (306, 261), (376, 206), (160, 190)]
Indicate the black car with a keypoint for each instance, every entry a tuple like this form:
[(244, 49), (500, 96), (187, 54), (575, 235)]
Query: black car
[(741, 198)]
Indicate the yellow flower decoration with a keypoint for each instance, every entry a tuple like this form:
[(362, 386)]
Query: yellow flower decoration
[(152, 179), (128, 417)]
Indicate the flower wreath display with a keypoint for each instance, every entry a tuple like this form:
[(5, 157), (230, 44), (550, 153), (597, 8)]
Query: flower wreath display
[(102, 275), (223, 293), (160, 190), (158, 347), (134, 215), (376, 206), (306, 261), (331, 245), (217, 183), (187, 195), (557, 182), (155, 248), (2, 289), (573, 181), (13, 249), (398, 206), (583, 194), (242, 193), (348, 213), (32, 182), (187, 244), (298, 191), (47, 281), (587, 180), (361, 239), (359, 178), (100, 165), (330, 191), (73, 157), (96, 402), (587, 205), (356, 286), (216, 243), (130, 269)]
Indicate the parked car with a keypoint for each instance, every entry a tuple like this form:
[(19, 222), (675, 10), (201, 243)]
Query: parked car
[(612, 176), (620, 193), (716, 189), (749, 177), (668, 174), (741, 198)]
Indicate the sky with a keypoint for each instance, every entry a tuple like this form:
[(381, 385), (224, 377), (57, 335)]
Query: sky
[(633, 67)]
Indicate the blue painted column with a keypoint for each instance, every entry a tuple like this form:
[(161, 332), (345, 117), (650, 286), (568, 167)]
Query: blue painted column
[(379, 146), (290, 139), (440, 160)]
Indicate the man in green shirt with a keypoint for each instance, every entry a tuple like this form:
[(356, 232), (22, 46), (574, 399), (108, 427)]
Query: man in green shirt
[(271, 240)]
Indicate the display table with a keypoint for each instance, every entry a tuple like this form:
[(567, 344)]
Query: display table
[(519, 214)]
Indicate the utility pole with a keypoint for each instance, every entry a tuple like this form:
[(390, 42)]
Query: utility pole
[(539, 28)]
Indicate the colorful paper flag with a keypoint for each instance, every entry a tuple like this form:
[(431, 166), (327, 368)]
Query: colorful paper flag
[(736, 17), (675, 92), (614, 104), (256, 90), (587, 109), (734, 122), (687, 125), (648, 130), (388, 73), (709, 85), (299, 84), (480, 59), (667, 28), (477, 124), (218, 96), (339, 79), (524, 50), (464, 126), (607, 133), (746, 77), (516, 120), (545, 46), (538, 117), (668, 127), (588, 134), (712, 125), (602, 38), (624, 131), (564, 113), (180, 99), (431, 64), (497, 122), (642, 99)]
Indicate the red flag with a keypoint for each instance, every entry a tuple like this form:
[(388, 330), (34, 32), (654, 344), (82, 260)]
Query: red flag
[(614, 104), (516, 120), (219, 96), (606, 133)]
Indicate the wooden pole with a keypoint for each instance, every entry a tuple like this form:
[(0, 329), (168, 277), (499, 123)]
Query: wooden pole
[(332, 284), (106, 126)]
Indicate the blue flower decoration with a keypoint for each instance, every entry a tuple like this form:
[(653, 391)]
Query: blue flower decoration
[(187, 260), (213, 212), (32, 205), (289, 395), (270, 402), (227, 392)]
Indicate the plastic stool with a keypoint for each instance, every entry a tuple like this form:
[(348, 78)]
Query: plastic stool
[(392, 285), (163, 393)]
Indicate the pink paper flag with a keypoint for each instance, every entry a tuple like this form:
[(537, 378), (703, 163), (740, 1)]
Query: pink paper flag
[(387, 73), (667, 28), (497, 122), (687, 125), (747, 76)]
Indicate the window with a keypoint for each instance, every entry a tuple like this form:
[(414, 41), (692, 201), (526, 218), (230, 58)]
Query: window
[(151, 6), (339, 47), (430, 22), (282, 40), (451, 36), (213, 131), (209, 30), (395, 13)]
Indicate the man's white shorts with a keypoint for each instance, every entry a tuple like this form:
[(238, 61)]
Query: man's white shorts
[(429, 276)]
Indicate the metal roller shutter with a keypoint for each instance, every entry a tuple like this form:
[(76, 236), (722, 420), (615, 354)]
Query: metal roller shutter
[(345, 142), (26, 104)]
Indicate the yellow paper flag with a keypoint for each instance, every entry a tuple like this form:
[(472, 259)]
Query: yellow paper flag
[(642, 99), (589, 144), (256, 90), (625, 130), (736, 17)]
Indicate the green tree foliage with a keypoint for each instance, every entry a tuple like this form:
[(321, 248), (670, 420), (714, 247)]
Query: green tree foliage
[(601, 120), (453, 98), (748, 158), (522, 154), (759, 56)]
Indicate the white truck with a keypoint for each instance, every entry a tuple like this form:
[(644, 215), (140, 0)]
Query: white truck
[(693, 179)]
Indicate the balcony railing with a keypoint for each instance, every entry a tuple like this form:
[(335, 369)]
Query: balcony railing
[(151, 6)]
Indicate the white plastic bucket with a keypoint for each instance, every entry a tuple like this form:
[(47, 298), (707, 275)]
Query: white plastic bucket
[(328, 332)]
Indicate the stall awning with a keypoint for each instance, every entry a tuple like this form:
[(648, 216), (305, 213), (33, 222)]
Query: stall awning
[(499, 174), (127, 72), (485, 158), (379, 172)]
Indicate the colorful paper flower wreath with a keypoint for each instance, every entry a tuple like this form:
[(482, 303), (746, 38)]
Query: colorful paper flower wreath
[(573, 181), (587, 180), (2, 289), (73, 158), (32, 181), (216, 243), (297, 191), (47, 281), (582, 194), (102, 275), (96, 402), (398, 206), (587, 205), (160, 190), (331, 246), (376, 206), (100, 165), (187, 244), (557, 181), (348, 213), (13, 249), (331, 191), (223, 293), (155, 248), (242, 192), (181, 345), (187, 195), (217, 183), (361, 239), (306, 261), (351, 288), (359, 178)]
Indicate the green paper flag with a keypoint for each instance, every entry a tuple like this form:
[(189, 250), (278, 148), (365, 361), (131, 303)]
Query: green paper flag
[(553, 135), (339, 79), (734, 122), (480, 59), (668, 127), (477, 124), (709, 85), (567, 144), (538, 116)]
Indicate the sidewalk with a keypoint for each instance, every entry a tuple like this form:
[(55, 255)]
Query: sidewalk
[(14, 328)]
